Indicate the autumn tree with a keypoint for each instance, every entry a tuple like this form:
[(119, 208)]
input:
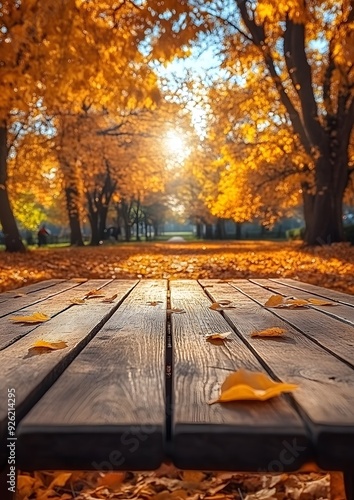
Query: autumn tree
[(305, 51)]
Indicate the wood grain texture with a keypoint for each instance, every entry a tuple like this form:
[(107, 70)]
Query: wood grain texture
[(236, 436), (107, 410), (55, 303), (340, 311), (335, 295), (326, 331), (28, 289), (11, 306), (326, 385), (32, 376)]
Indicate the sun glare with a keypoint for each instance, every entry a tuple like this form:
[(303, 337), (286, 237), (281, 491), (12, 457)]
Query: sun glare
[(174, 143)]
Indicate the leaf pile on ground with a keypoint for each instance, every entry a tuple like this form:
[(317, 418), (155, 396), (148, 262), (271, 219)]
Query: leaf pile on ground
[(329, 266), (169, 483)]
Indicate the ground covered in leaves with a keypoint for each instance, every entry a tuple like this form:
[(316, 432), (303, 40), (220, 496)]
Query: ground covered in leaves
[(329, 266)]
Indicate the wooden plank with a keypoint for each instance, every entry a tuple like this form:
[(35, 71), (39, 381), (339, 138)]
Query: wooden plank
[(32, 376), (339, 311), (56, 303), (223, 436), (107, 409), (11, 306), (333, 335), (334, 295), (35, 287), (326, 385)]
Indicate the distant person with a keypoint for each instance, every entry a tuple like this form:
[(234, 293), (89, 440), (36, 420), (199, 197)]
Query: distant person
[(42, 236)]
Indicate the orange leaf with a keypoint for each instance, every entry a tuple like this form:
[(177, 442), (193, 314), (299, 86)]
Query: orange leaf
[(321, 302), (60, 480), (246, 385), (112, 480), (37, 317), (154, 302), (77, 301), (176, 310), (221, 336), (109, 300), (220, 306), (294, 303), (92, 294), (193, 476), (43, 347), (269, 332), (274, 301)]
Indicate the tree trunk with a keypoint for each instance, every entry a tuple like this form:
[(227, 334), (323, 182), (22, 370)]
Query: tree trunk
[(208, 231), (102, 221), (13, 242), (220, 229), (199, 230), (238, 230), (74, 218)]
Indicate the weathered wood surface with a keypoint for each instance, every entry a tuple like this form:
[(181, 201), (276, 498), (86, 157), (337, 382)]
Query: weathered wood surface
[(32, 376), (319, 291), (27, 289), (325, 396), (242, 435), (57, 302), (107, 410), (339, 311), (35, 298)]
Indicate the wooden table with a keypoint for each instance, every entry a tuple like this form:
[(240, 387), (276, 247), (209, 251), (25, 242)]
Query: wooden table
[(132, 387)]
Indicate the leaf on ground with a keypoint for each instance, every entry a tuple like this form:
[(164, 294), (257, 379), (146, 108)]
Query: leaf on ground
[(43, 347), (174, 495), (269, 332), (77, 301), (321, 302), (154, 302), (112, 480), (60, 480), (220, 306), (193, 476), (264, 494), (220, 336), (93, 294), (36, 317), (110, 300), (246, 385), (175, 310)]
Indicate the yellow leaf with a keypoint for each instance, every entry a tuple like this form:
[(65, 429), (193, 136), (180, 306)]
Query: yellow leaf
[(109, 300), (50, 345), (246, 385), (221, 336), (321, 302), (294, 303), (269, 332), (37, 317), (274, 301), (77, 301), (112, 480), (92, 294)]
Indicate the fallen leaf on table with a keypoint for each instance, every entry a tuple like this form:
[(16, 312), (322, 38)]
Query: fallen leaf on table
[(77, 301), (321, 302), (36, 317), (277, 301), (176, 310), (92, 294), (220, 306), (109, 300), (221, 336), (246, 385), (274, 301), (154, 302), (43, 347), (269, 332)]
